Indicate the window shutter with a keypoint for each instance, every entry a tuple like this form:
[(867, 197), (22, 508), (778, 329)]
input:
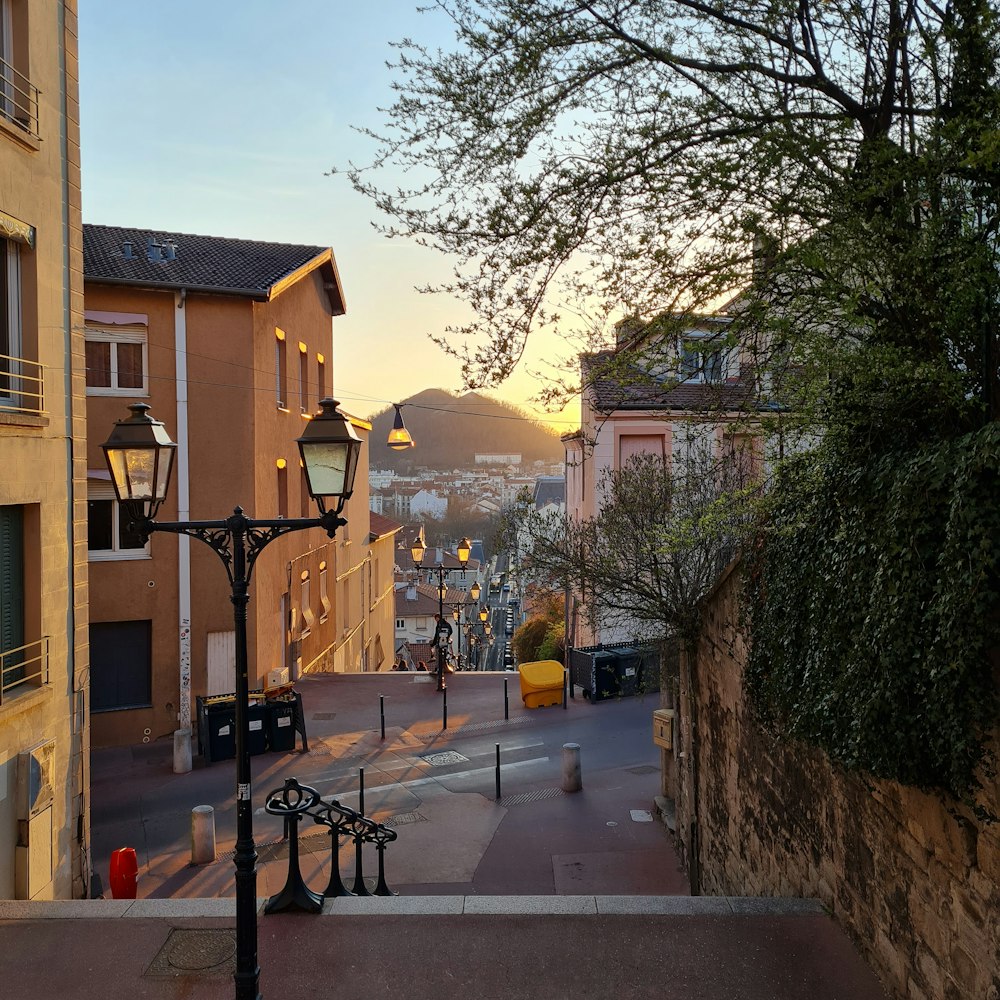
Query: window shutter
[(11, 589)]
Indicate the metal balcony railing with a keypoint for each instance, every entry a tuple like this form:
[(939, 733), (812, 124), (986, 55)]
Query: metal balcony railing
[(21, 387), (18, 99), (27, 664)]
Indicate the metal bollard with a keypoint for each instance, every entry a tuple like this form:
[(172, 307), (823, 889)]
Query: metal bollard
[(498, 772), (506, 703), (381, 712), (444, 709), (202, 835), (572, 777)]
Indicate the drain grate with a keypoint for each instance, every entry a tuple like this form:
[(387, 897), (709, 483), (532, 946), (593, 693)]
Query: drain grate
[(642, 769), (444, 758), (483, 727), (323, 716), (404, 819), (190, 952), (524, 798)]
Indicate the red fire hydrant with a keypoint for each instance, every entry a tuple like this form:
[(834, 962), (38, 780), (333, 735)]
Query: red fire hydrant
[(124, 872)]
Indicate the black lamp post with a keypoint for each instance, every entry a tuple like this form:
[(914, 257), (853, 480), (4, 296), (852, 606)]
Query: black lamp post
[(417, 553), (140, 454)]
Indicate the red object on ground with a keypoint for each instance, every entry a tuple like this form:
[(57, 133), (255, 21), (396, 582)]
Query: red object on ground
[(124, 872)]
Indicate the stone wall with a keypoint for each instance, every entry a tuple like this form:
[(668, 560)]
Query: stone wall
[(913, 877)]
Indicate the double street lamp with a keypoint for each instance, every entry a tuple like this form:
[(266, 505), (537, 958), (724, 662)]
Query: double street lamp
[(139, 455), (442, 627)]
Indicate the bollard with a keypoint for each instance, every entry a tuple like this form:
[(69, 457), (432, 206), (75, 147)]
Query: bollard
[(565, 687), (123, 873), (506, 703), (572, 778), (202, 835), (361, 790), (444, 709), (381, 712), (498, 772), (182, 751)]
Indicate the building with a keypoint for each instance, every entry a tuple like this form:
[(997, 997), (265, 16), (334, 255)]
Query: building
[(228, 341), (383, 532), (694, 403), (44, 694)]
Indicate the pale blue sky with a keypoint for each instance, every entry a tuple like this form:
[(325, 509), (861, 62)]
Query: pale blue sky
[(221, 117)]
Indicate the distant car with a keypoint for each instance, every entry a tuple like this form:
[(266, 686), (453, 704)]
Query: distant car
[(506, 587)]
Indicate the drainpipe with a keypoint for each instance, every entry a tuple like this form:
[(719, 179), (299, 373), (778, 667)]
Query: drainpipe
[(182, 737), (79, 727)]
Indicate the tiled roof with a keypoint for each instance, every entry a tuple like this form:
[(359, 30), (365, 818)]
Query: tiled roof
[(425, 601), (613, 386), (379, 526), (249, 268)]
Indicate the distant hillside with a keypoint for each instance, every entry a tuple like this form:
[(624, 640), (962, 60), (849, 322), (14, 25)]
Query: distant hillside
[(450, 430)]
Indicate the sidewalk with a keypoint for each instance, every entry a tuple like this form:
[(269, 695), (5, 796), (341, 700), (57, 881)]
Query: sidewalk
[(540, 894)]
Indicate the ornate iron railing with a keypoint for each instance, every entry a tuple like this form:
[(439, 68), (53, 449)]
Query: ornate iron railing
[(294, 802)]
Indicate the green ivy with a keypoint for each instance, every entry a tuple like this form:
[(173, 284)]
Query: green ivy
[(873, 601)]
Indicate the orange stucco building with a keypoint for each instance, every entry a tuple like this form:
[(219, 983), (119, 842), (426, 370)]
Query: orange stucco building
[(229, 343)]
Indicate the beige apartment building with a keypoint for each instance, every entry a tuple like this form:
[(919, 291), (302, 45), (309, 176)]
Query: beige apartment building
[(229, 343), (44, 694)]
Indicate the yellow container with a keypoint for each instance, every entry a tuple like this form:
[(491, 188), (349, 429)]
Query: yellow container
[(541, 683)]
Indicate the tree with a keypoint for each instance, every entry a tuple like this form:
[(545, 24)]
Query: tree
[(656, 546), (626, 156), (543, 635)]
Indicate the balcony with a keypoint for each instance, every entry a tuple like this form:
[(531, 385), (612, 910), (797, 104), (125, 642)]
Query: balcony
[(18, 100), (21, 389), (26, 666)]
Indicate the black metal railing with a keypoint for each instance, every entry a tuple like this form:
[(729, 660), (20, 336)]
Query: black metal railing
[(294, 802)]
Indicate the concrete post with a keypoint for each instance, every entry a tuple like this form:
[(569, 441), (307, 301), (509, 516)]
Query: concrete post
[(572, 777), (202, 835), (182, 751)]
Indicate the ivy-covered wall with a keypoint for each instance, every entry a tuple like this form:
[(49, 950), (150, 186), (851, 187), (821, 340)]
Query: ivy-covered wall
[(914, 877)]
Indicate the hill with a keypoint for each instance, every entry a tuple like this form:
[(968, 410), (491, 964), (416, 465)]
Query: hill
[(451, 430)]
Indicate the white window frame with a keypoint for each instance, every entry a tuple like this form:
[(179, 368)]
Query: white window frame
[(12, 266), (120, 335), (99, 490)]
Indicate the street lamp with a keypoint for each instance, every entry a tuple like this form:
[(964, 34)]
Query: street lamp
[(139, 455), (417, 551), (484, 613), (474, 591)]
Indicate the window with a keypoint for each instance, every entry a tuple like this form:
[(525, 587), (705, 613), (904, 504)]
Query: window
[(400, 623), (324, 597), (18, 98), (303, 378), (282, 488), (13, 374), (305, 599), (109, 532), (116, 362), (702, 359), (640, 444), (280, 373), (121, 665), (321, 376)]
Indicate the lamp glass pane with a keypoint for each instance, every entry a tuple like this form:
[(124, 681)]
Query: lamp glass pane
[(326, 468)]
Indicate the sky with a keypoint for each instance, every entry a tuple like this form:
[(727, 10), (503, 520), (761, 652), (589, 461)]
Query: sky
[(224, 117)]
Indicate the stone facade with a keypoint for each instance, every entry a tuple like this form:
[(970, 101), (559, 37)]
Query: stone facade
[(914, 877)]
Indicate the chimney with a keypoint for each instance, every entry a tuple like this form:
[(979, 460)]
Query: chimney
[(411, 591), (169, 250), (154, 251), (127, 250)]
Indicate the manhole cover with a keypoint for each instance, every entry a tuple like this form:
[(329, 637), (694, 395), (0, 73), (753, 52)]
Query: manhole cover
[(641, 815), (211, 952), (444, 758)]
